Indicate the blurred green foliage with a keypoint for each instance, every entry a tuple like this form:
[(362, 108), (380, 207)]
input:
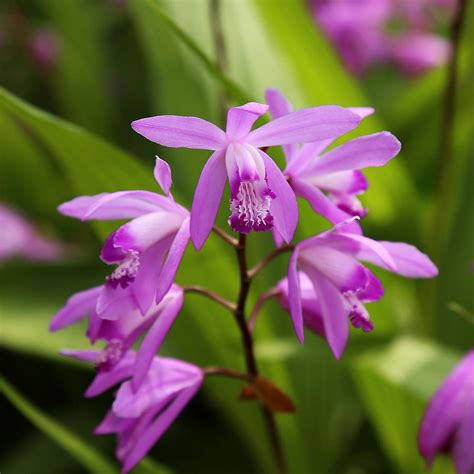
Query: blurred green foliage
[(65, 131)]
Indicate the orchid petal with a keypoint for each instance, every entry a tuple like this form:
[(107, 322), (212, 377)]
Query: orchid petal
[(322, 204), (162, 173), (113, 302), (181, 132), (77, 307), (294, 296), (463, 453), (446, 409), (240, 119), (350, 182), (207, 197), (154, 338), (305, 125), (113, 206), (362, 112), (279, 107), (410, 262), (343, 270), (146, 280), (284, 207), (86, 356), (305, 156), (171, 265), (145, 231), (362, 152), (336, 324), (154, 432)]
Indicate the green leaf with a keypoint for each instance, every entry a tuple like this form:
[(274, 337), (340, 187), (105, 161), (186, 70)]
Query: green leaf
[(86, 455), (395, 385)]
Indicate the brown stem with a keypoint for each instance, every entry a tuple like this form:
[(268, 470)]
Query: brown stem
[(225, 236), (268, 258), (250, 360), (211, 295), (208, 371), (258, 306)]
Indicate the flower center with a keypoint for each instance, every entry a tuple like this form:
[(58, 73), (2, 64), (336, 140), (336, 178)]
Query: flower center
[(126, 272), (358, 315), (250, 207), (110, 355)]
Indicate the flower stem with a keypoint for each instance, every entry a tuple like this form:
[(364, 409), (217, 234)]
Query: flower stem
[(250, 360), (258, 306), (234, 374), (211, 295), (268, 258), (225, 236)]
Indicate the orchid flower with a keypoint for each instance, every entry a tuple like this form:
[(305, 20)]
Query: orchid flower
[(341, 284), (260, 196), (448, 422), (20, 238), (360, 31), (337, 172), (122, 333), (140, 418), (147, 250)]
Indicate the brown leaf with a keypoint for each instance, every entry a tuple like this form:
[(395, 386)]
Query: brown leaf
[(269, 395)]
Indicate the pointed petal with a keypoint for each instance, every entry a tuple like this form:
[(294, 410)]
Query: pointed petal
[(154, 432), (86, 356), (365, 249), (240, 119), (154, 338), (162, 173), (294, 296), (322, 204), (77, 307), (362, 112), (336, 323), (284, 207), (396, 257), (409, 261), (304, 126), (113, 302), (279, 107), (277, 238), (181, 132), (112, 206), (171, 265), (362, 152), (305, 156), (446, 409), (207, 197)]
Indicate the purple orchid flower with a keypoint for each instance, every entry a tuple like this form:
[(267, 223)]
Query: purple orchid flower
[(342, 284), (448, 422), (122, 333), (360, 31), (147, 250), (19, 238), (260, 196), (140, 418), (45, 47), (337, 172)]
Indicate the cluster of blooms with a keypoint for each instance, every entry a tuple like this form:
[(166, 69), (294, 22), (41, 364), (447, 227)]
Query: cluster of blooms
[(403, 32), (448, 423), (326, 288), (20, 238)]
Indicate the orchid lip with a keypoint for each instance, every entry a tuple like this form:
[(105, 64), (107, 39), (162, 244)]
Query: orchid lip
[(126, 272)]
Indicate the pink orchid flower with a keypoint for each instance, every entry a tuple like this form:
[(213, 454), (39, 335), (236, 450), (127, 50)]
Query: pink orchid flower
[(147, 250), (341, 284), (448, 422), (20, 238), (122, 333), (260, 196), (337, 172), (140, 418)]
